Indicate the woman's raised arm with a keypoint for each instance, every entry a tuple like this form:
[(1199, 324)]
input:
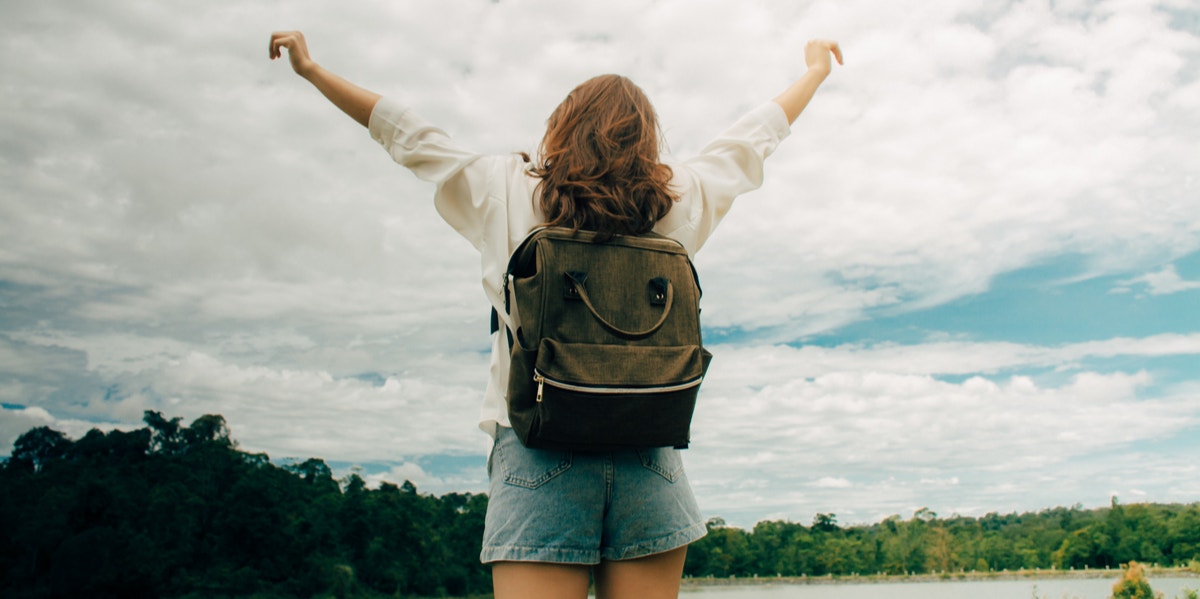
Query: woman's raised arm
[(350, 98), (817, 56)]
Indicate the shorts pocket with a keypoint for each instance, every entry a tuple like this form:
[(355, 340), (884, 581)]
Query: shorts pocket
[(663, 461), (528, 468)]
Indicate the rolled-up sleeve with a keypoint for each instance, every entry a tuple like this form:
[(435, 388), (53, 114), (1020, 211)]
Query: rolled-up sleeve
[(432, 155), (730, 165)]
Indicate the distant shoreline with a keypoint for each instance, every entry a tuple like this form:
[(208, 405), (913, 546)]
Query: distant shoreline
[(1152, 573)]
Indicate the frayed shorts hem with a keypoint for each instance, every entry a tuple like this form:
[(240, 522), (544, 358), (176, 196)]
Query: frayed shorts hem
[(684, 537), (591, 557), (539, 554)]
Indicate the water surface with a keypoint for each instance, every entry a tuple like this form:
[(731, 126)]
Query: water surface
[(1079, 588)]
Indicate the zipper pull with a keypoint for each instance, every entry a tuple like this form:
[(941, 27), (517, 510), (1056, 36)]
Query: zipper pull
[(541, 381)]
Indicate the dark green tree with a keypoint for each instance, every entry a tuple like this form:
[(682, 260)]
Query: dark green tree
[(825, 523), (36, 447)]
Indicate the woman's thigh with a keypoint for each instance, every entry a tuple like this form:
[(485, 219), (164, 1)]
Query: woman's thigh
[(533, 580), (655, 576)]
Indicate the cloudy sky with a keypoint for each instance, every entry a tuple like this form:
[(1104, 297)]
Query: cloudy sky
[(970, 283)]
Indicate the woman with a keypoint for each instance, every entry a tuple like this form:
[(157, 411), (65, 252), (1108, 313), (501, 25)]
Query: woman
[(555, 519)]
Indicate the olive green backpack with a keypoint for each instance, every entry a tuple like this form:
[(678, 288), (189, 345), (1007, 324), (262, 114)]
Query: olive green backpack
[(606, 350)]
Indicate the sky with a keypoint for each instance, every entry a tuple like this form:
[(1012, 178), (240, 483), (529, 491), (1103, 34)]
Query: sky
[(969, 282)]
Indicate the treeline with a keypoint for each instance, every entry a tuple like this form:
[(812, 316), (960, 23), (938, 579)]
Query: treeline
[(179, 511), (1060, 538)]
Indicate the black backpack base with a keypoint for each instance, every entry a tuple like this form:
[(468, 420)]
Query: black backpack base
[(572, 409)]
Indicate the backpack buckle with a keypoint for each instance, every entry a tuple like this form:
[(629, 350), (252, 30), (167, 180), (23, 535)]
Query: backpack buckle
[(658, 291), (574, 280)]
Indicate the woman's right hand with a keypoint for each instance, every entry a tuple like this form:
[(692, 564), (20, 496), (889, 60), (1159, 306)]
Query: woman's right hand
[(297, 49)]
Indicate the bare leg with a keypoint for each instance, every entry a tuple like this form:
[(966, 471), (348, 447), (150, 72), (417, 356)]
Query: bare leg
[(652, 577), (534, 580)]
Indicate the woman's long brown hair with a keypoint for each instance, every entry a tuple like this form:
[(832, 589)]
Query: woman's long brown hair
[(599, 161)]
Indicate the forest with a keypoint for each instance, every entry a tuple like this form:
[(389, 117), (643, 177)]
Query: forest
[(174, 510)]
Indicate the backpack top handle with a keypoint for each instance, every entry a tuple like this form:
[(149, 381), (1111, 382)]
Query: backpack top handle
[(574, 279)]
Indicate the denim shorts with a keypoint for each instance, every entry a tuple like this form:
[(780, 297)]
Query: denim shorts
[(581, 508)]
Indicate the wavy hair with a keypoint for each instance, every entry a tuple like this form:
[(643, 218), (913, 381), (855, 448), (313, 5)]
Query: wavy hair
[(599, 161)]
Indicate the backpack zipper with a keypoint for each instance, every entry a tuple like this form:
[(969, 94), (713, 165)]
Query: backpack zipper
[(542, 381)]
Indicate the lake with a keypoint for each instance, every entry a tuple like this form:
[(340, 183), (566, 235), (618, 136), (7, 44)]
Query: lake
[(1064, 588)]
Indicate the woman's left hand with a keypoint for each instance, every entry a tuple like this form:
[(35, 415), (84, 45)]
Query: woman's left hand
[(297, 49), (816, 55)]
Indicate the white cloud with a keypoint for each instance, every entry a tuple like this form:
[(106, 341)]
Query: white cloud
[(310, 413), (829, 482), (912, 438), (1163, 282), (469, 480), (892, 421), (762, 365), (405, 472)]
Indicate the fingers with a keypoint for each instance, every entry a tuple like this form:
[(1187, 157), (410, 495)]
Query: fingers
[(284, 39), (297, 50), (828, 46), (274, 49)]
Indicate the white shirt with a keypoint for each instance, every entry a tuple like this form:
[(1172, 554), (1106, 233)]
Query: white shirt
[(490, 199)]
